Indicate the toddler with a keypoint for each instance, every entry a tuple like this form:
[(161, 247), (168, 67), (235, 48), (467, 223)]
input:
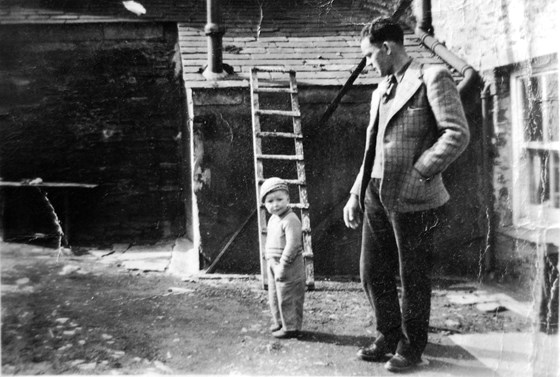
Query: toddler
[(286, 273)]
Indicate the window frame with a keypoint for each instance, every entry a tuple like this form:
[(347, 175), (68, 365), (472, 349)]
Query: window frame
[(526, 214)]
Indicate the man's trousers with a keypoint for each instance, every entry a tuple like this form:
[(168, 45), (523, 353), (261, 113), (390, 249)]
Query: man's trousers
[(397, 244)]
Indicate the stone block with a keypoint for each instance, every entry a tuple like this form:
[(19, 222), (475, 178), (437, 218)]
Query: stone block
[(184, 258)]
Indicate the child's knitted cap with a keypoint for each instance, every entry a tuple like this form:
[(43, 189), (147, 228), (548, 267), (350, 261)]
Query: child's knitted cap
[(271, 185)]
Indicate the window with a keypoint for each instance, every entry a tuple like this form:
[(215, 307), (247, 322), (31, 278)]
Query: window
[(536, 147)]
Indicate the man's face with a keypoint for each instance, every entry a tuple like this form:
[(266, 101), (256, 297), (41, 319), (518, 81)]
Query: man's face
[(377, 57)]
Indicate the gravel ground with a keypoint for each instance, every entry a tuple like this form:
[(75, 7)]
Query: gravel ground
[(67, 314)]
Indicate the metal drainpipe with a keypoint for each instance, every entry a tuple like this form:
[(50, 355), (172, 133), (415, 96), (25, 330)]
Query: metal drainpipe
[(471, 81), (424, 30), (424, 22), (215, 30), (487, 122)]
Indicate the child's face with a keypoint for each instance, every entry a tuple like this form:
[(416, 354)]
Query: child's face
[(276, 202)]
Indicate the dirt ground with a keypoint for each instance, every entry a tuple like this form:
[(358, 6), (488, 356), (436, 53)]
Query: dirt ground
[(68, 314)]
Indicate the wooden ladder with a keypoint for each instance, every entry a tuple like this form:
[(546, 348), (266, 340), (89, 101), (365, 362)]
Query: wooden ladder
[(261, 158)]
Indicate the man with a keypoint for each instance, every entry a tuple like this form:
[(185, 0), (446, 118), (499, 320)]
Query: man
[(417, 128)]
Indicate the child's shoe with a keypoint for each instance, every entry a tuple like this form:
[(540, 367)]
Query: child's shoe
[(282, 334)]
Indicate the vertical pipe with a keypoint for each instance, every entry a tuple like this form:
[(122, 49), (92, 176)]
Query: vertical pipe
[(471, 81), (214, 30), (423, 14), (488, 108), (425, 30)]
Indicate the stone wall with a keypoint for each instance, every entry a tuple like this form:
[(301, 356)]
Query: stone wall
[(225, 191), (490, 33), (499, 38), (100, 104), (224, 171), (516, 248)]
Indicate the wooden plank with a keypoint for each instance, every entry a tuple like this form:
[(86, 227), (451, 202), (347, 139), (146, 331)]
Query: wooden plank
[(275, 90), (295, 105), (299, 206), (293, 205), (279, 112), (300, 167), (47, 184), (307, 246), (290, 181), (304, 230), (190, 156), (284, 157), (303, 193), (305, 219), (288, 135), (257, 150)]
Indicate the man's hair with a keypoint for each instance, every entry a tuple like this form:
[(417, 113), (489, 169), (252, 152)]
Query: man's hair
[(383, 29)]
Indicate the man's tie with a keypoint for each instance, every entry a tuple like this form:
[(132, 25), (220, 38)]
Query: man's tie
[(391, 81)]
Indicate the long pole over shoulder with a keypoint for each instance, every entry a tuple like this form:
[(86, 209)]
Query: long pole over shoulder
[(334, 104), (403, 5)]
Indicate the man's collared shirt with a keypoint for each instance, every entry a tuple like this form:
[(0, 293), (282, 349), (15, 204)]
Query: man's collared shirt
[(393, 82)]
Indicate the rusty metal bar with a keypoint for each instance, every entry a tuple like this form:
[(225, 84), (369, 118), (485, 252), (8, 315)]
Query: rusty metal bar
[(401, 8)]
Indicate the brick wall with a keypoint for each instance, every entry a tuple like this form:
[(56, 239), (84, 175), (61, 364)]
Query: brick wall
[(94, 103)]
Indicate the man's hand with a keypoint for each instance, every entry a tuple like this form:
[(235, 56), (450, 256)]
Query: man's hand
[(352, 212)]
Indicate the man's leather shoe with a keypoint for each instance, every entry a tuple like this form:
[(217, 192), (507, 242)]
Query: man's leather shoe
[(282, 334), (399, 363), (373, 353)]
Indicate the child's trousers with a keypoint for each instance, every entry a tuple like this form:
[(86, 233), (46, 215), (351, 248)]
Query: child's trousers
[(286, 297)]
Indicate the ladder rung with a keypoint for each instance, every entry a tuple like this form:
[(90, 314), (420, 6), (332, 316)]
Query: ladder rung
[(279, 112), (275, 90), (290, 135), (294, 205), (288, 181), (272, 69), (303, 230), (280, 157)]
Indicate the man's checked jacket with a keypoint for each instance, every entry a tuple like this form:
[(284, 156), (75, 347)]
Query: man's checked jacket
[(426, 131)]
